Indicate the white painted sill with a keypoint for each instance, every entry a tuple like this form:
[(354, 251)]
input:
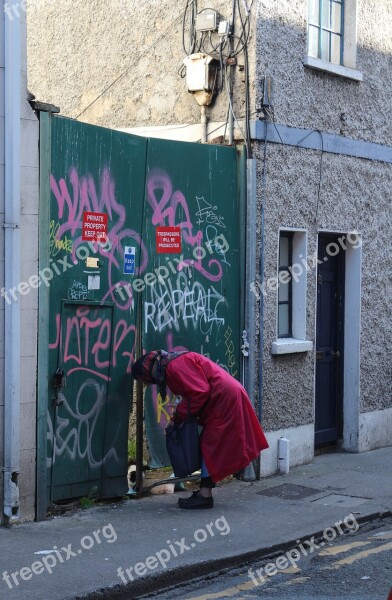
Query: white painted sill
[(327, 67), (290, 346)]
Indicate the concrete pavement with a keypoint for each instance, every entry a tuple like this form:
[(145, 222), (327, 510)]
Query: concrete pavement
[(120, 550)]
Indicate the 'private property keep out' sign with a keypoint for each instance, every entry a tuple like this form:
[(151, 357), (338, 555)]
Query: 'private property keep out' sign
[(95, 226), (168, 240)]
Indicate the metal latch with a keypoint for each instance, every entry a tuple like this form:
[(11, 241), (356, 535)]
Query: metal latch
[(59, 381)]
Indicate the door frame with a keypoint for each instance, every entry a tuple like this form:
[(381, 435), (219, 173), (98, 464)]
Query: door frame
[(352, 333), (338, 363), (351, 339)]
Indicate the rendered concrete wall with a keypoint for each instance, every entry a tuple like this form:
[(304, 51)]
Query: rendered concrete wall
[(77, 52), (354, 195), (29, 266), (311, 99)]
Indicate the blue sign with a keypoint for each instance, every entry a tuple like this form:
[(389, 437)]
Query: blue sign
[(129, 260)]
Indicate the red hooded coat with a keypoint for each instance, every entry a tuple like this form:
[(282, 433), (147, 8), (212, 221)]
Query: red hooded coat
[(232, 436)]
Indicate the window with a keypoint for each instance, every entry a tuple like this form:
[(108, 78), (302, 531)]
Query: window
[(325, 30), (291, 293), (332, 37), (285, 284)]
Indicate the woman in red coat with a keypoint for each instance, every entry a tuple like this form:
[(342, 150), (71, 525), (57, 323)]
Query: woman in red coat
[(232, 436)]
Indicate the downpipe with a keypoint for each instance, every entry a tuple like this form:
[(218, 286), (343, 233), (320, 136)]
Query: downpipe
[(11, 225), (251, 472)]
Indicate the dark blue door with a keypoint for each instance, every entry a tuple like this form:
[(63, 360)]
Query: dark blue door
[(329, 340)]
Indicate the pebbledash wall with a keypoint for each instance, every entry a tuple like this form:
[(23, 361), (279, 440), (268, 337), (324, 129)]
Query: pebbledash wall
[(18, 432), (318, 191), (326, 167)]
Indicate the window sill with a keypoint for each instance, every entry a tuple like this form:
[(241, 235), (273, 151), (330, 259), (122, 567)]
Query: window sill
[(290, 346), (322, 65)]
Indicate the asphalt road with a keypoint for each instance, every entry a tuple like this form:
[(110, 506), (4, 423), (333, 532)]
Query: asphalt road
[(356, 566)]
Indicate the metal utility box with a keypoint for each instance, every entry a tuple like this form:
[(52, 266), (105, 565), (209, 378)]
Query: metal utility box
[(201, 72), (207, 20)]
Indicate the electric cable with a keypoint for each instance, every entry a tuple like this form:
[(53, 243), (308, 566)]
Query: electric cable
[(237, 52), (244, 37), (192, 30), (247, 104), (246, 81), (221, 64), (270, 113)]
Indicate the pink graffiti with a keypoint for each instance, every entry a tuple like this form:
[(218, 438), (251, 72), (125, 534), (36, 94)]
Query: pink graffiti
[(165, 203), (85, 343), (170, 346), (84, 197)]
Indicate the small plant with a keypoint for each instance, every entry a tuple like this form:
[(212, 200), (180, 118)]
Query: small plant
[(132, 449), (88, 501)]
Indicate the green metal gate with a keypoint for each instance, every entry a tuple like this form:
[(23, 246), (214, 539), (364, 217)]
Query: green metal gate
[(125, 222)]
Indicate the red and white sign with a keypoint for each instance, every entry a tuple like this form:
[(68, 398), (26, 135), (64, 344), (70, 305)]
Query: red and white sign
[(95, 226), (168, 240)]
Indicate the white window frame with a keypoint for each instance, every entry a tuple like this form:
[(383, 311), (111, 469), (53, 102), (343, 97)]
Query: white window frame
[(348, 69), (298, 341)]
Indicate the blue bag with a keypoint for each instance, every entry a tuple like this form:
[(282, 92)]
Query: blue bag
[(183, 446)]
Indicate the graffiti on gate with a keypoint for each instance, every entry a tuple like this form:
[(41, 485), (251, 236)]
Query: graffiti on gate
[(182, 305), (76, 427), (85, 196), (164, 308), (188, 299), (85, 339), (171, 208), (207, 213)]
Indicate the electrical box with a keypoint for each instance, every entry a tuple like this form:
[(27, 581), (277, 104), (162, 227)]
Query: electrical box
[(224, 28), (267, 91), (201, 72), (207, 20)]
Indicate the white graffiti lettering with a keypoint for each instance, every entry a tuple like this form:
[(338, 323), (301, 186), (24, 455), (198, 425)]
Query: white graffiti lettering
[(75, 428), (185, 304)]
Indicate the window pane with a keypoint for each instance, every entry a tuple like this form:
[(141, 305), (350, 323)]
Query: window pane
[(325, 45), (336, 23), (335, 49), (284, 251), (314, 12), (283, 320), (283, 291), (313, 41), (326, 14)]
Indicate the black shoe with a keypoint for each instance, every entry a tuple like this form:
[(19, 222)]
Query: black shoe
[(196, 501)]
